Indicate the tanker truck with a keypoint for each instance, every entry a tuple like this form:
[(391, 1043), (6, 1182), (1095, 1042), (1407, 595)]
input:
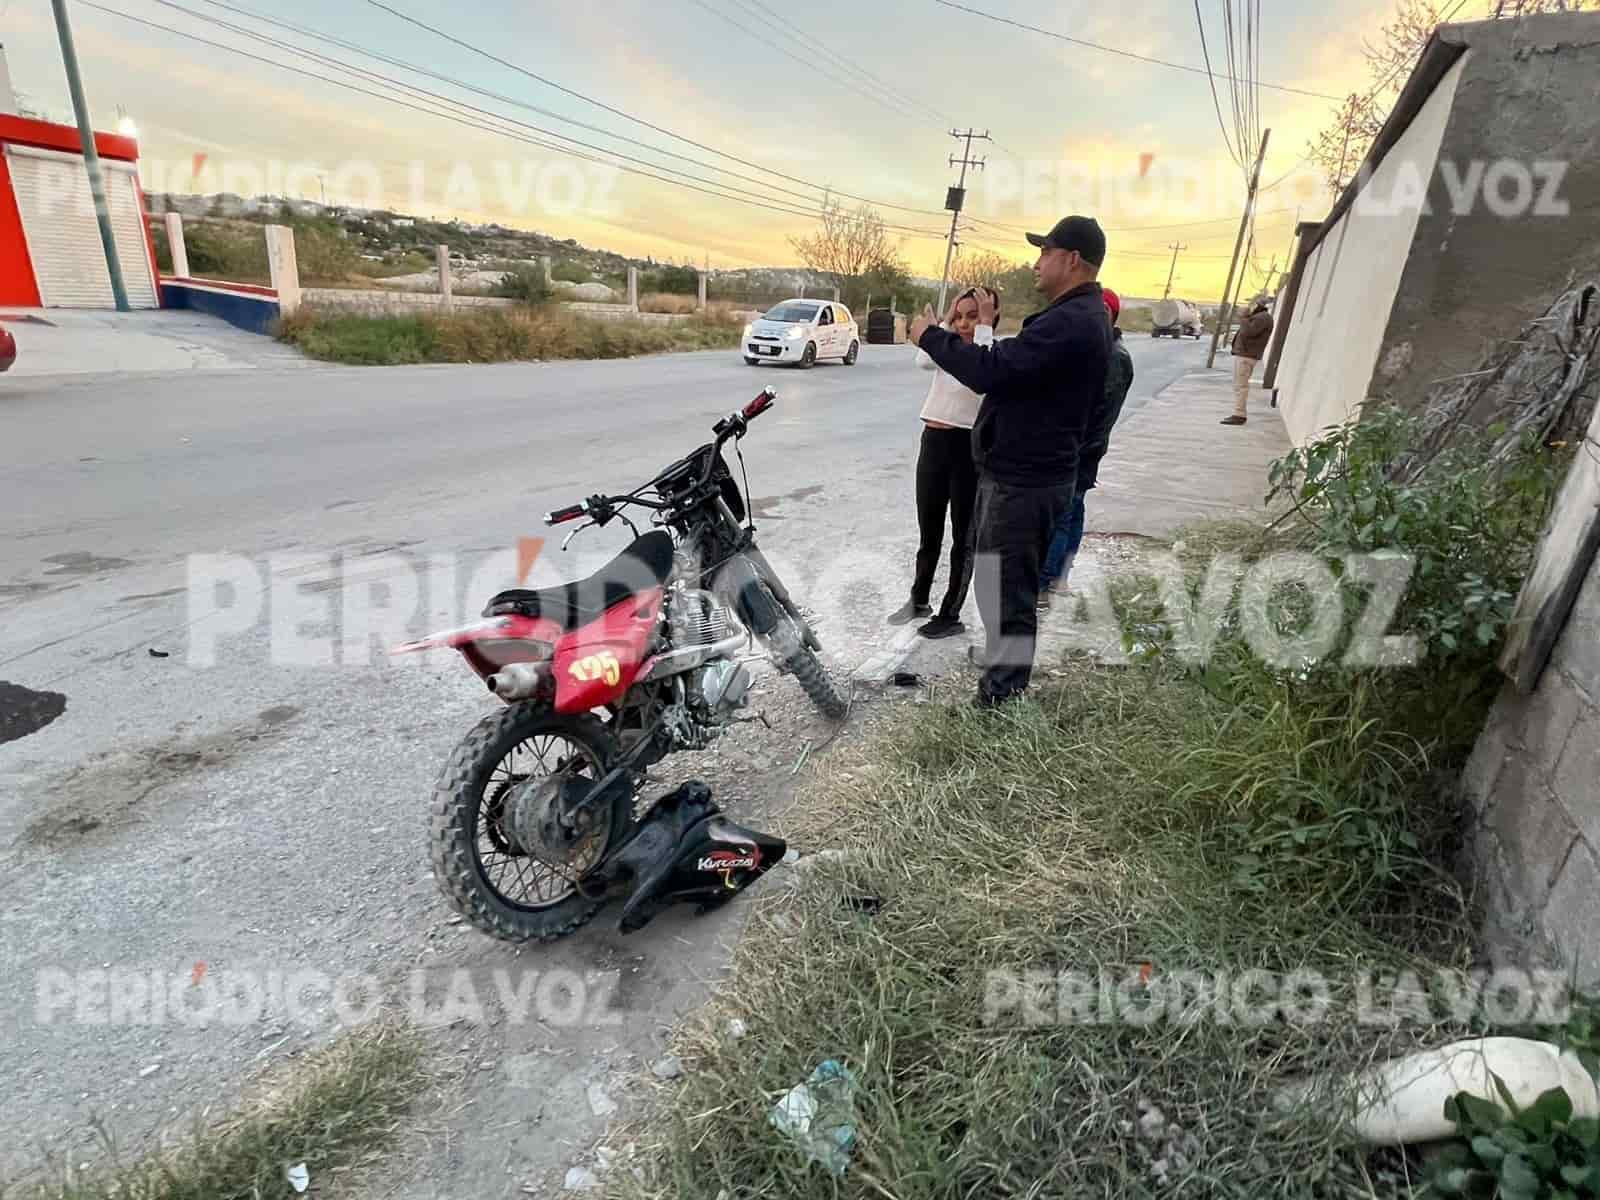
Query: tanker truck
[(1174, 318)]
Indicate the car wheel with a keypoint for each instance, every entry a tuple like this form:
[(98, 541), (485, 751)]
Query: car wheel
[(850, 359), (809, 358)]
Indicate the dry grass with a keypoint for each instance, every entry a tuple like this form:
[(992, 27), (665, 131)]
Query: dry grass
[(332, 1110), (1122, 817), (538, 333)]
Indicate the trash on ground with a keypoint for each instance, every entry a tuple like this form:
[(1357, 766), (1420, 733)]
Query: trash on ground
[(299, 1178), (818, 1116), (737, 1029), (1401, 1102), (906, 679), (154, 653), (867, 904)]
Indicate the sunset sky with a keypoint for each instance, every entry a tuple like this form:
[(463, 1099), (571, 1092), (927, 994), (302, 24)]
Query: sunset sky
[(725, 74)]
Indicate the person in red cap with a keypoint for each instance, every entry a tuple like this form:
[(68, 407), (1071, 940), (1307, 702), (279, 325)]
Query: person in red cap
[(1068, 533)]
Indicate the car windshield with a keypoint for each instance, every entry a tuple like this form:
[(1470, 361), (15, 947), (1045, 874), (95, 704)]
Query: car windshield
[(792, 312)]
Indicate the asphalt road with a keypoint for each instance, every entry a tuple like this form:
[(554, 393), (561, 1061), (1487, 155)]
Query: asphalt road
[(265, 812)]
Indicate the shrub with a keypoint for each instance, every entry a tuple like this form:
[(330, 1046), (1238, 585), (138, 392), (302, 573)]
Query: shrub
[(570, 272), (525, 282)]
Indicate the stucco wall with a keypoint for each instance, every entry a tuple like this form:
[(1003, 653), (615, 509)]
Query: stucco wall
[(1352, 279), (1527, 107), (1533, 791)]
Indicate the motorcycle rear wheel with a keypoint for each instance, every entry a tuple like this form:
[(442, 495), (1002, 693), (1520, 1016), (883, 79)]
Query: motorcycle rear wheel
[(471, 851)]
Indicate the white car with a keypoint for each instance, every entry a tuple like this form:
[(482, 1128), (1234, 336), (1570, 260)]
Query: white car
[(802, 331)]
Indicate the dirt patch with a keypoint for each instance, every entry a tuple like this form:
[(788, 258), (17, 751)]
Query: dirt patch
[(109, 793), (24, 711), (162, 595), (79, 562), (761, 507), (25, 589)]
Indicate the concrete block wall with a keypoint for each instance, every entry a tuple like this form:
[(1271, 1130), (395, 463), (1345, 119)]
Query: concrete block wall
[(1533, 790), (376, 301)]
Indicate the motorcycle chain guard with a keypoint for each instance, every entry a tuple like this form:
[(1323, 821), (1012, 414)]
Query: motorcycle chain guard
[(686, 850)]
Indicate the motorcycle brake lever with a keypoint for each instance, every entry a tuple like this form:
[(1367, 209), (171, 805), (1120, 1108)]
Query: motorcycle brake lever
[(567, 541)]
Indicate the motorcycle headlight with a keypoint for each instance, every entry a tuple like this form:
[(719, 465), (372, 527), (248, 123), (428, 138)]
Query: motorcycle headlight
[(796, 331)]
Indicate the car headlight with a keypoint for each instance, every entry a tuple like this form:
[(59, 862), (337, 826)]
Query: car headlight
[(797, 331), (747, 330)]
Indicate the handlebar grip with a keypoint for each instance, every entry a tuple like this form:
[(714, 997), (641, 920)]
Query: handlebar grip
[(759, 405), (571, 513)]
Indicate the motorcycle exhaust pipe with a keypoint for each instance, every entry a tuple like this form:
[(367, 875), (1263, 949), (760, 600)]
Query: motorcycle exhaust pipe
[(518, 681)]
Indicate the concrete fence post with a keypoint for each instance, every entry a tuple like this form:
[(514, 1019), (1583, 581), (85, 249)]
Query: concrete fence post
[(633, 289), (701, 305), (180, 252), (441, 255), (285, 270), (836, 295), (549, 272)]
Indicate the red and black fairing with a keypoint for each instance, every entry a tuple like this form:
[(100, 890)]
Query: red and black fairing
[(595, 634), (686, 850)]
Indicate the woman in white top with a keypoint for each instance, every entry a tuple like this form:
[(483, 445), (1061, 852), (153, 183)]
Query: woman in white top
[(946, 481)]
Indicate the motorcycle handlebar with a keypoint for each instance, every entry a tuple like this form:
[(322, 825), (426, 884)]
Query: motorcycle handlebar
[(732, 425), (561, 515), (760, 404)]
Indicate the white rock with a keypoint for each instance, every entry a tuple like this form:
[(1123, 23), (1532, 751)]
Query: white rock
[(581, 1179), (600, 1104), (737, 1029), (669, 1067)]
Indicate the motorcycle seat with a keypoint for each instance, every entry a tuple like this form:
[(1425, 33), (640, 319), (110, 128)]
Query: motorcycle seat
[(643, 565)]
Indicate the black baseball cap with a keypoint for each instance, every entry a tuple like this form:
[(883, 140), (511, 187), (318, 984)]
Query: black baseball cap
[(1082, 234)]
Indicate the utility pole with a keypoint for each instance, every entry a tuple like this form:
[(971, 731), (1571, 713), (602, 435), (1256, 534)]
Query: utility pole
[(1244, 221), (954, 197), (1174, 247), (91, 155)]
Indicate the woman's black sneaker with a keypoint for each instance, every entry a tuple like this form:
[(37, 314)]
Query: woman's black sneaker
[(942, 627), (910, 611)]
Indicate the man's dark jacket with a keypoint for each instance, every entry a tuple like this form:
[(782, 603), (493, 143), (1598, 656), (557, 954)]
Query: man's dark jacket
[(1253, 336), (1039, 388), (1119, 378)]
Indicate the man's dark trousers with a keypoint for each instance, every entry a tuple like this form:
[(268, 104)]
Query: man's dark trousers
[(1014, 526)]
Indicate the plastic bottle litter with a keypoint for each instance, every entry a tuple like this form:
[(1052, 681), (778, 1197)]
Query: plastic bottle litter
[(818, 1116)]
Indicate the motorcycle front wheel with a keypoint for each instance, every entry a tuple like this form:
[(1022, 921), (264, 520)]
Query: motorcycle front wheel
[(787, 642), (477, 863)]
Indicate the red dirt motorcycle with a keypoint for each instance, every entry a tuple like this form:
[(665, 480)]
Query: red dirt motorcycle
[(603, 678)]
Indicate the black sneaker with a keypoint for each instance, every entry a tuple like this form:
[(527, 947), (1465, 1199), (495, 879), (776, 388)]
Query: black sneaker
[(942, 627), (910, 611)]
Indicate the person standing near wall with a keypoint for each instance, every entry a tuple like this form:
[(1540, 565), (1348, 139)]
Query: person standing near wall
[(1068, 534), (1249, 344), (947, 479)]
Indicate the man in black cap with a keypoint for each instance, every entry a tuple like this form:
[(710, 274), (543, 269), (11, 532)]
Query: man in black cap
[(1038, 391)]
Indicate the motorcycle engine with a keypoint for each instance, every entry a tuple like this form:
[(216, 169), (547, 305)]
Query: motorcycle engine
[(719, 687)]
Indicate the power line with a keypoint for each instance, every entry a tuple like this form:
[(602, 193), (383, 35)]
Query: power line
[(304, 31), (415, 91), (495, 58), (1216, 101), (1160, 62), (486, 93), (898, 109), (836, 58), (997, 225), (738, 196)]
